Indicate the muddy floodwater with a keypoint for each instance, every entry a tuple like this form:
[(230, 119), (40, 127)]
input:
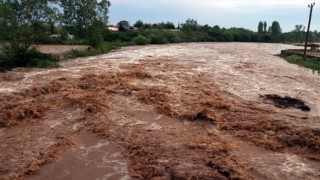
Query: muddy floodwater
[(178, 111)]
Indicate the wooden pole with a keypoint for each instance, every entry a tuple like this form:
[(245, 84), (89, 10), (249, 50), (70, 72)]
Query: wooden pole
[(307, 35)]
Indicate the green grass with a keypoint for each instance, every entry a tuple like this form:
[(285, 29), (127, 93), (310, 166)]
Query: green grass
[(104, 48), (34, 58), (311, 63)]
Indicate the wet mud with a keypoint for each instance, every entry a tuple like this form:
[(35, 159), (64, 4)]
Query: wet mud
[(157, 112)]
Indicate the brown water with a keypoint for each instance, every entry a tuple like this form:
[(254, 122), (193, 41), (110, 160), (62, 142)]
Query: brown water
[(174, 111), (92, 158)]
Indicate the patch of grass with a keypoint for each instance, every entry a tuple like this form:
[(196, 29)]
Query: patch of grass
[(104, 48), (43, 63), (311, 63)]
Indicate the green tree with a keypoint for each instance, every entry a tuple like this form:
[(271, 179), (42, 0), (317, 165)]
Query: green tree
[(23, 22), (169, 25), (298, 33), (190, 25), (265, 27), (95, 34), (147, 26), (78, 15), (54, 17), (226, 37), (216, 30), (260, 27), (163, 25), (299, 28), (275, 28), (138, 24), (102, 10), (124, 23)]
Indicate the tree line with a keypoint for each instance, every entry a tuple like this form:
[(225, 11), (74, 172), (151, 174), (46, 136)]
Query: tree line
[(24, 23), (192, 31)]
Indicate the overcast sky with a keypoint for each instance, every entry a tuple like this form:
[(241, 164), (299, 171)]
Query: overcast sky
[(225, 13)]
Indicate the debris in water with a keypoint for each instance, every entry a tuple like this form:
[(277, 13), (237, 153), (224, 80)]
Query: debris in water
[(286, 102)]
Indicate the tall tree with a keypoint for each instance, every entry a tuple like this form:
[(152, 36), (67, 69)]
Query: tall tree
[(163, 25), (24, 21), (190, 25), (265, 27), (299, 28), (298, 33), (169, 25), (275, 28), (78, 15), (102, 10), (138, 24), (260, 27)]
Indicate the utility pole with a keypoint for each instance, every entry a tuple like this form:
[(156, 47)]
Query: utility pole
[(307, 35)]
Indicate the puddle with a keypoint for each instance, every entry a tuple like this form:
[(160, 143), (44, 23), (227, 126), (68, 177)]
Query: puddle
[(91, 159)]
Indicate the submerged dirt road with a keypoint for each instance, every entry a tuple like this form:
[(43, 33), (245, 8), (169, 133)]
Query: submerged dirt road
[(182, 111)]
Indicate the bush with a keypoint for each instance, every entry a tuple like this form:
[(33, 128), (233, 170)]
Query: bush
[(141, 40), (158, 39), (126, 36), (104, 48), (173, 37), (21, 57)]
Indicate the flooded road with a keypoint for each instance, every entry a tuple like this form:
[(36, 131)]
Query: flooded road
[(161, 112)]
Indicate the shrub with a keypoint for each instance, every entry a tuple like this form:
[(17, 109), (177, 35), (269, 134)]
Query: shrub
[(141, 40), (104, 48), (21, 57), (158, 38), (172, 37)]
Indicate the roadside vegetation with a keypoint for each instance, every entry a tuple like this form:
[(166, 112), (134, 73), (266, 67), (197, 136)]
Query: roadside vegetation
[(311, 63), (103, 48), (71, 22)]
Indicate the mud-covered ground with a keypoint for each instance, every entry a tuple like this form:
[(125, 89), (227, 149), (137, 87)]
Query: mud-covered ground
[(59, 49), (180, 111)]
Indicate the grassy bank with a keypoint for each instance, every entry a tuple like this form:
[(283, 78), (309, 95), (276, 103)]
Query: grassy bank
[(10, 59), (104, 48), (311, 63), (33, 58)]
